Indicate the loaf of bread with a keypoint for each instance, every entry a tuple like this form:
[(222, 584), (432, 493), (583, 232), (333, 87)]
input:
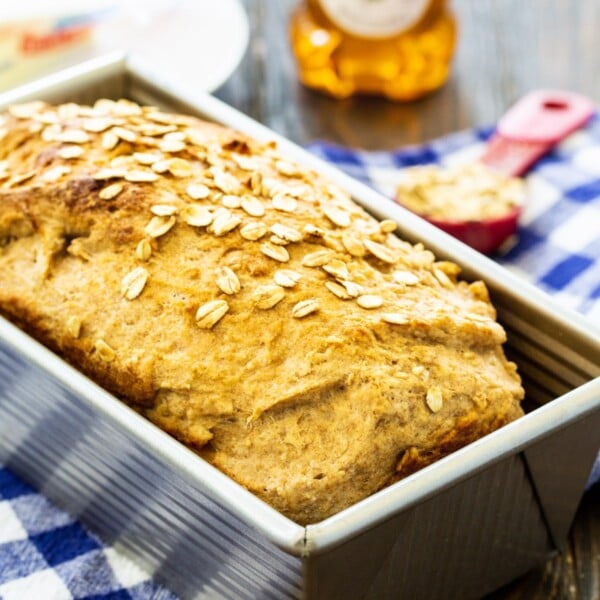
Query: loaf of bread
[(242, 303)]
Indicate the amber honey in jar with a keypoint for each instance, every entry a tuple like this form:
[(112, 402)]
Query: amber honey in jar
[(400, 49)]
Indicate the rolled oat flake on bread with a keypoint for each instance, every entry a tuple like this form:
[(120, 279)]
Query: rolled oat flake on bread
[(311, 410)]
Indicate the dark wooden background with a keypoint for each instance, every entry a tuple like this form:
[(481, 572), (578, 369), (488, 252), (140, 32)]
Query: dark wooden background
[(506, 48)]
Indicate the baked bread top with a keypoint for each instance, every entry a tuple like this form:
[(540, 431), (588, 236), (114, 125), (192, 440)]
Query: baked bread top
[(242, 303)]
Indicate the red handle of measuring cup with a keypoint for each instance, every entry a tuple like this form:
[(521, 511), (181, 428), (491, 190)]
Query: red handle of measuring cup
[(533, 126), (545, 116)]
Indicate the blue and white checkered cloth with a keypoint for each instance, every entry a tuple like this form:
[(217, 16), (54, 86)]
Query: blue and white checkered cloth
[(45, 554), (558, 247)]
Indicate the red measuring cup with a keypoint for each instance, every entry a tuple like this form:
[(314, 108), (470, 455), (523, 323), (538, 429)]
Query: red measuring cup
[(530, 129)]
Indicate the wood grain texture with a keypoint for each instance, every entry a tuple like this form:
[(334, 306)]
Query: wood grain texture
[(506, 48)]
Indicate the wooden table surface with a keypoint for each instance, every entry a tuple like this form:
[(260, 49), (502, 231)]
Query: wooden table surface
[(506, 48)]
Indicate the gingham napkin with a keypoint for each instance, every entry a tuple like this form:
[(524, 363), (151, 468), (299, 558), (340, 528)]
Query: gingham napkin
[(45, 554), (558, 246)]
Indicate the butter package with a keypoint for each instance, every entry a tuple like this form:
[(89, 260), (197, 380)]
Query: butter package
[(38, 37)]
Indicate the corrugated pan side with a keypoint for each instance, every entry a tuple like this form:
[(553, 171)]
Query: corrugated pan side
[(131, 494)]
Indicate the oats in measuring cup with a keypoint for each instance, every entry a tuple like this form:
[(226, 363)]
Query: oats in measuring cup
[(470, 192)]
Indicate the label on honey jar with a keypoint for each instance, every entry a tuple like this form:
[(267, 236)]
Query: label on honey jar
[(374, 18)]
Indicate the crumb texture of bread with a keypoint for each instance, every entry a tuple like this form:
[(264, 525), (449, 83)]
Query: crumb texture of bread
[(242, 303)]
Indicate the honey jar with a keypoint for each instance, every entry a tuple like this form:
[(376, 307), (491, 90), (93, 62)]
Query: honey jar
[(400, 49)]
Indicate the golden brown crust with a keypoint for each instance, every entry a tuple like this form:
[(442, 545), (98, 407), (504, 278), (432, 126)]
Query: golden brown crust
[(242, 303)]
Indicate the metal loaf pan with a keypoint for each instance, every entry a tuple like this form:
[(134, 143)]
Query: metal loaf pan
[(458, 529)]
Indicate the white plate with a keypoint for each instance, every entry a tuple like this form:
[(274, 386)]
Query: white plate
[(196, 42), (199, 42)]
